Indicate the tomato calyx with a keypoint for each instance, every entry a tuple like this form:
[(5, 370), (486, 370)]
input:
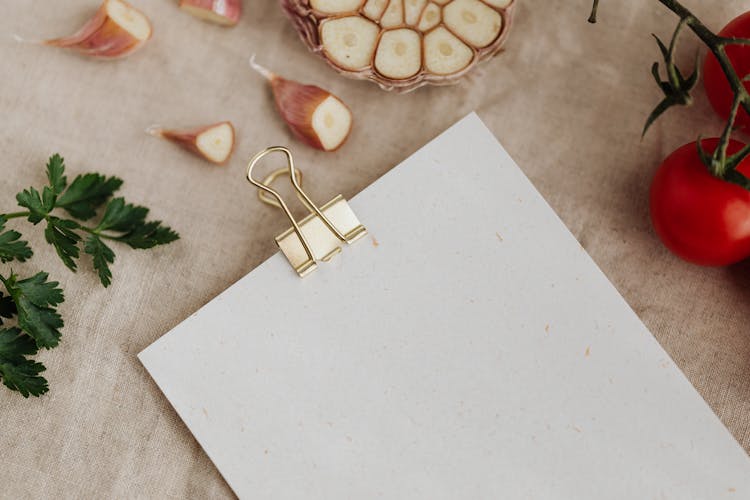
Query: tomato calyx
[(724, 166), (721, 164)]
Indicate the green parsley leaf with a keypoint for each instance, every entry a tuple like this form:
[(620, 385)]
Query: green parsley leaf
[(103, 257), (87, 193), (38, 208), (36, 299), (131, 219), (55, 174), (81, 199), (11, 247), (17, 372), (7, 307), (32, 302), (149, 235), (122, 217), (61, 234)]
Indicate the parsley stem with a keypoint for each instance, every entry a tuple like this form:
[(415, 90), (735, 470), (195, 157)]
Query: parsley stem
[(97, 233), (15, 215)]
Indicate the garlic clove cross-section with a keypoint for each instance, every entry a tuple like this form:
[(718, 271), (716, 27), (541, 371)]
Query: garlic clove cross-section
[(402, 44)]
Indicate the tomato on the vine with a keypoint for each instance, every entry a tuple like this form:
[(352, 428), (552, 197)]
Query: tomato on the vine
[(703, 219), (715, 81)]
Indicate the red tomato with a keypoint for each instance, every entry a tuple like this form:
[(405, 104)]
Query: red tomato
[(717, 88), (700, 218)]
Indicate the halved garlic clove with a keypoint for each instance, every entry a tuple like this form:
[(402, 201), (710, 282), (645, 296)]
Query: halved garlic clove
[(402, 44), (223, 12), (399, 54), (374, 9), (393, 15), (430, 17), (314, 115), (413, 10), (117, 29), (444, 53), (473, 21), (214, 143), (350, 41)]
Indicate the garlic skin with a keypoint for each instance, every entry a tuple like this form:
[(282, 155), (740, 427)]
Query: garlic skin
[(222, 12), (314, 115), (402, 44), (116, 30), (214, 142)]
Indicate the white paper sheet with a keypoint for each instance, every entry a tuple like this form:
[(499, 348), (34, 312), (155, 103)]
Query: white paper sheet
[(467, 348)]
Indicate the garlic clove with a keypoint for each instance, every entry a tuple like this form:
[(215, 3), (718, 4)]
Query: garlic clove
[(350, 42), (430, 17), (444, 53), (399, 53), (473, 21), (393, 15), (413, 10), (222, 12), (214, 143), (116, 30), (374, 9), (314, 115)]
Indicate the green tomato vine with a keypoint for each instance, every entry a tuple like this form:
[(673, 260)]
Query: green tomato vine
[(677, 89)]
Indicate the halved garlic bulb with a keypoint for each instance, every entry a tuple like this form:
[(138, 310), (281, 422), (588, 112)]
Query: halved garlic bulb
[(402, 44)]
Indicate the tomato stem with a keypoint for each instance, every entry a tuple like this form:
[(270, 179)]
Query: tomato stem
[(676, 89), (592, 17)]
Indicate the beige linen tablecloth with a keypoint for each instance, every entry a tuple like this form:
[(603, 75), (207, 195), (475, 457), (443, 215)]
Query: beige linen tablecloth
[(566, 99)]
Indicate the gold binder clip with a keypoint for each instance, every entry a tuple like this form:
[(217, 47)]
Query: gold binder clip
[(317, 237)]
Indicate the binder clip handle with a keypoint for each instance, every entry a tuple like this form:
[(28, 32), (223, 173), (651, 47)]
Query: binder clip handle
[(353, 230)]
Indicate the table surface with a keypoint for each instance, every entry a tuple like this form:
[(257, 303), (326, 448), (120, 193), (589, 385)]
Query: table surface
[(566, 99)]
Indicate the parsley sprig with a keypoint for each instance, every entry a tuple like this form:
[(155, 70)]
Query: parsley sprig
[(29, 320)]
